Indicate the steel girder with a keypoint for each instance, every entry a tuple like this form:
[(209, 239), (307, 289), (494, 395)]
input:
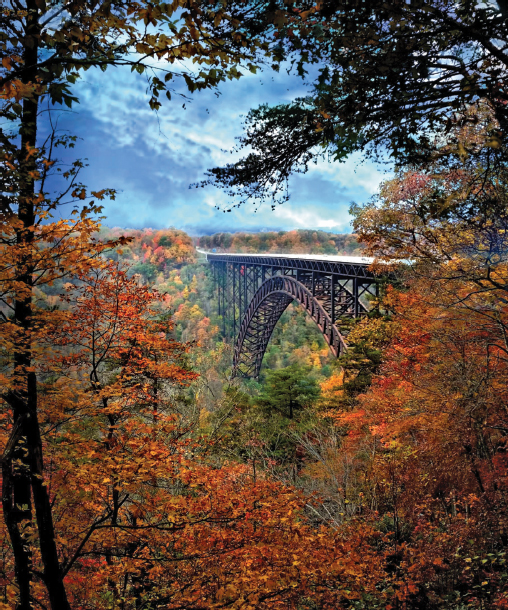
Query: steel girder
[(344, 269), (340, 288), (263, 313)]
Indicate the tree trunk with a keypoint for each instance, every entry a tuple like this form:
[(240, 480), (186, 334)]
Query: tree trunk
[(52, 571), (16, 508), (23, 459)]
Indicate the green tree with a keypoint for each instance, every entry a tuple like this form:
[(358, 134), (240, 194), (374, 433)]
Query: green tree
[(282, 415), (265, 430), (288, 391)]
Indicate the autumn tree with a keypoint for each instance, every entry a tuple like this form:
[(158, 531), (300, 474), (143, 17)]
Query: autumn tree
[(44, 47), (432, 427), (443, 225), (54, 250)]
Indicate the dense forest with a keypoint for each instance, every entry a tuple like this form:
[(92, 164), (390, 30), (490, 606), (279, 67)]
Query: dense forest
[(283, 242), (137, 472), (348, 446)]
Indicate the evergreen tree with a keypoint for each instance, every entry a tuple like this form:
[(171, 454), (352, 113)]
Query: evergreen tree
[(288, 391)]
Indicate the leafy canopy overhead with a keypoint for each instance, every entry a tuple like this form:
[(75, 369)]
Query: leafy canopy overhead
[(391, 79), (153, 37)]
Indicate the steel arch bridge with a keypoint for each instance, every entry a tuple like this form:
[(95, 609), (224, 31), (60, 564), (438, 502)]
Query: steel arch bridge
[(254, 291)]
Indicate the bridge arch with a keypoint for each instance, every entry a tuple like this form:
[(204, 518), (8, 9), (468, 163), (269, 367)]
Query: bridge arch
[(266, 307)]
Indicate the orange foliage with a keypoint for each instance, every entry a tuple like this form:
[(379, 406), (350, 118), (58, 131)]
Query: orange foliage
[(140, 516), (162, 248), (434, 428)]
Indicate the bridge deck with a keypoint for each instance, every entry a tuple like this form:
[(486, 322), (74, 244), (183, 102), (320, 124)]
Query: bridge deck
[(357, 260), (343, 266)]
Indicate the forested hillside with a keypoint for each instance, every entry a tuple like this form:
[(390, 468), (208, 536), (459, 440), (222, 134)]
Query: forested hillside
[(300, 241)]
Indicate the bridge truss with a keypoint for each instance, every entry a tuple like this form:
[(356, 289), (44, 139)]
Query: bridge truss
[(254, 290)]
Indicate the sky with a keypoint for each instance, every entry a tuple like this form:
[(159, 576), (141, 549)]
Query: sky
[(151, 158)]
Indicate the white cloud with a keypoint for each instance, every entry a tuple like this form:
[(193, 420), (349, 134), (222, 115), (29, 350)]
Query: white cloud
[(304, 219), (353, 172), (152, 158)]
